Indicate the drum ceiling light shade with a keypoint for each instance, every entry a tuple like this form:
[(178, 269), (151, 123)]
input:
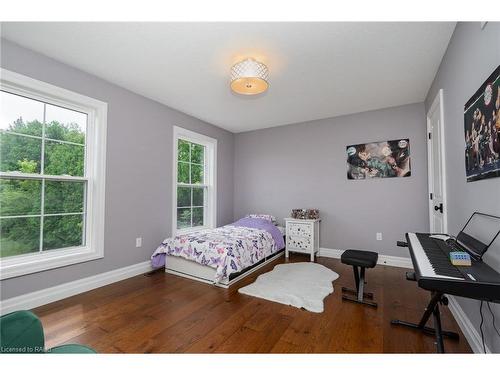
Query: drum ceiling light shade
[(249, 77)]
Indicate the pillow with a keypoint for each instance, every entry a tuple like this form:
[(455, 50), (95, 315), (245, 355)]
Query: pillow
[(270, 218)]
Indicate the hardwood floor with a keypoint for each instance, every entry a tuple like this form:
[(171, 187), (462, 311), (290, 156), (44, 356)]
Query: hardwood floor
[(163, 313)]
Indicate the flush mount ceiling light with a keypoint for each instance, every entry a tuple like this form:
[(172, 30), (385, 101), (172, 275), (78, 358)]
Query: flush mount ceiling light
[(249, 77)]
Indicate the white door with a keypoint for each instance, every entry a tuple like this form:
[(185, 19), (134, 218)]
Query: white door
[(436, 166)]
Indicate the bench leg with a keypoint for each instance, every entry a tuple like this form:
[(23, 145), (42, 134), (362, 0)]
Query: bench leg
[(359, 277), (355, 292), (356, 276), (361, 284)]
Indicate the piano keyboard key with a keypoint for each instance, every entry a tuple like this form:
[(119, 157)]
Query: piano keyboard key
[(432, 262)]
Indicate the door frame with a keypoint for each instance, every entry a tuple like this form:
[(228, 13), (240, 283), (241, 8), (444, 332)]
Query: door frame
[(437, 104)]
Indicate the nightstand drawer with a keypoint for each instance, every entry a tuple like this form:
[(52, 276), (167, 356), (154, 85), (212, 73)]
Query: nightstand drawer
[(299, 243), (299, 229)]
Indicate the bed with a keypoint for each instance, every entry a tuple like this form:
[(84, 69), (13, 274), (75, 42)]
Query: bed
[(224, 255)]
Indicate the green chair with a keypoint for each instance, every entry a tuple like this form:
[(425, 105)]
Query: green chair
[(22, 332)]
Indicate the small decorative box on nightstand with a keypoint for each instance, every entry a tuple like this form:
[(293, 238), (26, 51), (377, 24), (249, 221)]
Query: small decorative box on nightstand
[(302, 236)]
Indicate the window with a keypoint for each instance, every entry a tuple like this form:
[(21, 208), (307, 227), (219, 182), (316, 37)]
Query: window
[(194, 176), (52, 163)]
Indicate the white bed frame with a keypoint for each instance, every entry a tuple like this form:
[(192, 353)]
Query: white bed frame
[(195, 271)]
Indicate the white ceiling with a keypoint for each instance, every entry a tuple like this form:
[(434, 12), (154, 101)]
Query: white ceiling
[(317, 70)]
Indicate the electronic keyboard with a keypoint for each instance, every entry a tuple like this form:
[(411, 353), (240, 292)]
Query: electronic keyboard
[(430, 255), (434, 271)]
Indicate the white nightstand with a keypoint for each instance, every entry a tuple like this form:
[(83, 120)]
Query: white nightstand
[(302, 236)]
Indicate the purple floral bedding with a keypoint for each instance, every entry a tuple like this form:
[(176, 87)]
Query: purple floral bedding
[(228, 249)]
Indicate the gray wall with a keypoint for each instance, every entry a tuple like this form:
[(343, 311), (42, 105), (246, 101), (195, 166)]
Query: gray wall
[(139, 169), (471, 57), (304, 165)]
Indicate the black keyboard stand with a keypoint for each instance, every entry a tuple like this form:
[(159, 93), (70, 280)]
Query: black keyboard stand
[(432, 308)]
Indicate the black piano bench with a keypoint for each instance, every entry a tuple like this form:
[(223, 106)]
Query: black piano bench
[(363, 260)]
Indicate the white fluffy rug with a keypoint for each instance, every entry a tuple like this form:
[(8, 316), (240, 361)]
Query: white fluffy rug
[(296, 284)]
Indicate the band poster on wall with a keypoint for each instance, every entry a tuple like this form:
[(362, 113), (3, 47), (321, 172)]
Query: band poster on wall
[(482, 130), (379, 160)]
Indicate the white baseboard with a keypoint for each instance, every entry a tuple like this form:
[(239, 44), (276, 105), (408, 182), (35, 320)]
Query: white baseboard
[(387, 260), (56, 293), (471, 334), (330, 253)]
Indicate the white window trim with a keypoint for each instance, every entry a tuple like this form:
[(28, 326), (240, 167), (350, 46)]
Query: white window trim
[(95, 172), (211, 178)]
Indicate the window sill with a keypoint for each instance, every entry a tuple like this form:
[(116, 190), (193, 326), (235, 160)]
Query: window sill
[(191, 230), (31, 263)]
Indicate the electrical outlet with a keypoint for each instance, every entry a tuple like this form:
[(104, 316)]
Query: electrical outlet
[(379, 236), (138, 242)]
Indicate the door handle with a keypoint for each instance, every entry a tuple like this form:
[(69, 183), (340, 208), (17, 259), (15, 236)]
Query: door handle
[(439, 208)]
